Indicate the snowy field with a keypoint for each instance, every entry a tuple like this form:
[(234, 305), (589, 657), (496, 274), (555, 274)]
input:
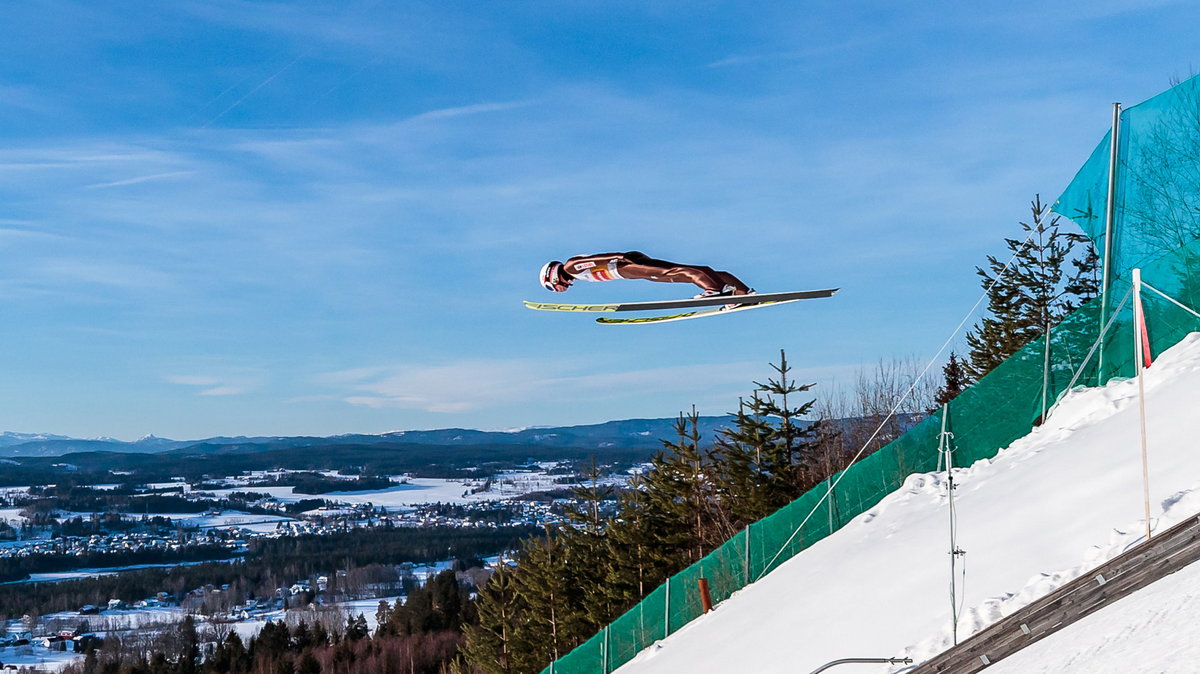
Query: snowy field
[(76, 574), (419, 491), (228, 518), (37, 659), (11, 516), (1053, 505), (400, 497)]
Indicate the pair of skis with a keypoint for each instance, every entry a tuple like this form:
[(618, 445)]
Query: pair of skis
[(720, 305)]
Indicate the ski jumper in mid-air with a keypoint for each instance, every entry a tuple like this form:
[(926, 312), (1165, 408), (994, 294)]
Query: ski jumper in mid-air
[(558, 276)]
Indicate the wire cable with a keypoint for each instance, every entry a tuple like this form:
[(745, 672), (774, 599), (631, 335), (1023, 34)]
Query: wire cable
[(902, 400)]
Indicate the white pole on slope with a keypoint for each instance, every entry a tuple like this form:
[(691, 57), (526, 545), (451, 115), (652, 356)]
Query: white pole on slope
[(1109, 220), (1139, 320)]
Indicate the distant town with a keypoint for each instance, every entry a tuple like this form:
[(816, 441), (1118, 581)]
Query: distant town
[(54, 535)]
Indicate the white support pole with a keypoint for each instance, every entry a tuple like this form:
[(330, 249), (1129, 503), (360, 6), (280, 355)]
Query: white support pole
[(606, 658), (1138, 321), (667, 611), (1109, 221)]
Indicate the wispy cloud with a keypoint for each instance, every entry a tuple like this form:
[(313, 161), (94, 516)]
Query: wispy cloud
[(141, 179), (211, 385), (225, 391), (454, 387), (474, 109), (475, 385), (792, 54)]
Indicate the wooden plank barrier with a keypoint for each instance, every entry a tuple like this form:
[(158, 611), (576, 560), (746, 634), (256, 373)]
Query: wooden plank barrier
[(1121, 576)]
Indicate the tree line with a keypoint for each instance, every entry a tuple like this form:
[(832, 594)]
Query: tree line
[(268, 565), (418, 636)]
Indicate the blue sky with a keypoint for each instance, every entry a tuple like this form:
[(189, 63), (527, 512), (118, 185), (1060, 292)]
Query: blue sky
[(315, 218)]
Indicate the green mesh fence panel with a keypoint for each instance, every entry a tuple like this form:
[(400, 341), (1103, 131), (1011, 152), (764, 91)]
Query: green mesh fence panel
[(1157, 209), (1158, 228)]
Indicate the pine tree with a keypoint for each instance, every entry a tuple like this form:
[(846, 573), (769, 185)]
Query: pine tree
[(1084, 284), (678, 490), (553, 617), (741, 473), (787, 461), (584, 546), (640, 552), (1025, 299), (308, 664), (956, 380), (492, 644)]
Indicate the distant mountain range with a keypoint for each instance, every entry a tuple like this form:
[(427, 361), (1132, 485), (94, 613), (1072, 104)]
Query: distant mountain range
[(623, 434)]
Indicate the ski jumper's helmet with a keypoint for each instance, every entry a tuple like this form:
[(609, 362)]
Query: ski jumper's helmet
[(549, 275)]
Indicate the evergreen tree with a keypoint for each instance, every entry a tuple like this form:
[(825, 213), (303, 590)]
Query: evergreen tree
[(642, 551), (188, 643), (675, 495), (584, 553), (1084, 284), (956, 379), (787, 462), (356, 627), (1027, 298), (320, 636), (308, 664), (492, 644), (554, 619), (741, 471), (229, 656), (301, 637)]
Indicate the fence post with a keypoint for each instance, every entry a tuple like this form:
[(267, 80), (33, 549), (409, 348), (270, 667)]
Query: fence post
[(705, 595), (604, 654), (746, 577), (667, 611)]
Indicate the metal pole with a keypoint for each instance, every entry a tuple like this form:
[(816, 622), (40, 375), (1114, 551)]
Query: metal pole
[(1045, 317), (1046, 374), (1109, 221), (1138, 321), (945, 448), (746, 578), (667, 612), (606, 658), (881, 661)]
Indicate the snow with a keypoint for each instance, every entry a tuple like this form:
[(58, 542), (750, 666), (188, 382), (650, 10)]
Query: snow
[(227, 518), (39, 659), (367, 608), (418, 491), (1151, 631), (403, 496), (1053, 505), (95, 572), (11, 516)]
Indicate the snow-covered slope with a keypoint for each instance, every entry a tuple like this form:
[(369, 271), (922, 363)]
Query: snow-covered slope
[(1049, 507)]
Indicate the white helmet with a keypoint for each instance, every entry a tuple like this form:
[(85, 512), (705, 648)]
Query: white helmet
[(549, 276)]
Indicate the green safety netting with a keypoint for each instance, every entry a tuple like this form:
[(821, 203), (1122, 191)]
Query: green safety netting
[(1156, 214), (1157, 227)]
